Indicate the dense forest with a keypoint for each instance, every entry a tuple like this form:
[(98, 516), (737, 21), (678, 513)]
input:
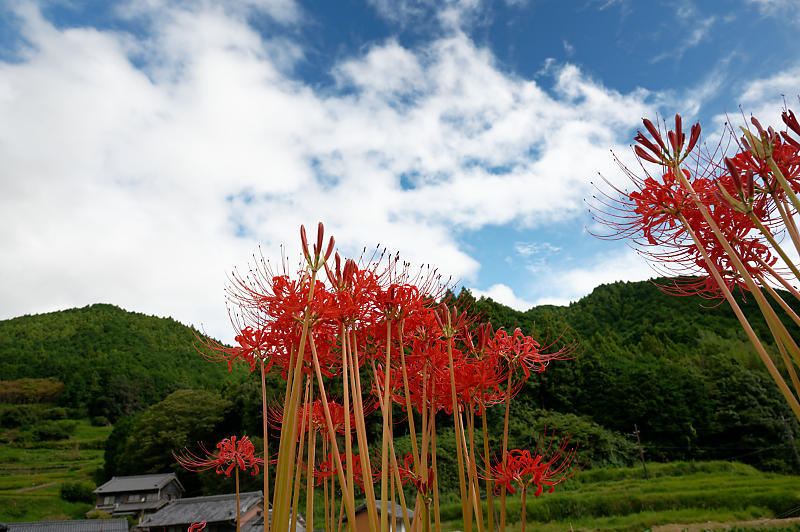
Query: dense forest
[(111, 362), (678, 368)]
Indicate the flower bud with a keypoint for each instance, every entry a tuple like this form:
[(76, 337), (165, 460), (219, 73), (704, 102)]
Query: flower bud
[(654, 132), (320, 235), (791, 121), (330, 248), (304, 242)]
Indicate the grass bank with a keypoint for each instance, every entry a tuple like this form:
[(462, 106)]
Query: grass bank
[(31, 473), (620, 499)]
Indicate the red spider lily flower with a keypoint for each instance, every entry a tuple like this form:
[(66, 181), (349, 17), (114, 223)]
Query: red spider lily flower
[(423, 483), (547, 466), (786, 157), (196, 527), (230, 454)]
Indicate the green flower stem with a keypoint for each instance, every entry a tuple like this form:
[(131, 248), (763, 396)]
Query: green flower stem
[(765, 358), (266, 440), (361, 434), (784, 183), (237, 499), (771, 239), (783, 304), (348, 437), (788, 221), (789, 288), (287, 454), (399, 485), (474, 470), (465, 508), (386, 433), (505, 454), (488, 466), (436, 513), (411, 428), (350, 503), (312, 444), (298, 465)]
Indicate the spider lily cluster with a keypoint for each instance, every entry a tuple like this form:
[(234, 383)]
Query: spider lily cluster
[(379, 332), (724, 224)]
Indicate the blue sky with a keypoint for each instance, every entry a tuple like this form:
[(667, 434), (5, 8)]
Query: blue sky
[(149, 147)]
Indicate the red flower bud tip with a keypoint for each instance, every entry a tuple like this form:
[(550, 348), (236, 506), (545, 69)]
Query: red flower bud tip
[(438, 319), (737, 178), (760, 129), (468, 338), (320, 235), (694, 136), (641, 139), (304, 242), (644, 155), (679, 129), (350, 269), (748, 179), (673, 140), (334, 278), (790, 140), (791, 121), (330, 248), (654, 132)]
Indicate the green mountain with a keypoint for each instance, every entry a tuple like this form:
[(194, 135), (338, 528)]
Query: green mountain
[(110, 361), (677, 368)]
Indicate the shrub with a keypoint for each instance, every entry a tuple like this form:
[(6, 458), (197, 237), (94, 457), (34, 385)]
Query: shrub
[(77, 492), (53, 430), (99, 421)]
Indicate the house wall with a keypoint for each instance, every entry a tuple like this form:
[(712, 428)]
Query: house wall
[(171, 491)]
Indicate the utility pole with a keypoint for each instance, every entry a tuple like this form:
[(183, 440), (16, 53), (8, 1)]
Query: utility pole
[(791, 439), (641, 451)]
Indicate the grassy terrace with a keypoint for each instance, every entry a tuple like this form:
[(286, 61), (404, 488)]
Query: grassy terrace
[(679, 492), (31, 474)]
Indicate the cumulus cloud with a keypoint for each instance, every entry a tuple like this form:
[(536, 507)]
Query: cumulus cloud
[(139, 169), (571, 284), (504, 295)]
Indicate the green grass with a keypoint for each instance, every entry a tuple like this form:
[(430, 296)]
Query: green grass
[(31, 474), (620, 499)]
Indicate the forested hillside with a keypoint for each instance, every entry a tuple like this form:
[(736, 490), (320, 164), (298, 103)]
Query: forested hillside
[(110, 361), (679, 368)]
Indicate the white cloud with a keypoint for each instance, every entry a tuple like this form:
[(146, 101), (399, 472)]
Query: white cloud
[(571, 284), (778, 8), (504, 295), (128, 185)]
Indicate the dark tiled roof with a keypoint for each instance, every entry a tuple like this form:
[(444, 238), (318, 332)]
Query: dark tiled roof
[(77, 525), (137, 483), (211, 509)]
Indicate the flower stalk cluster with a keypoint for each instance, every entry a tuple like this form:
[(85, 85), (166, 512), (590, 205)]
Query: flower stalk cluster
[(721, 223), (379, 333)]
